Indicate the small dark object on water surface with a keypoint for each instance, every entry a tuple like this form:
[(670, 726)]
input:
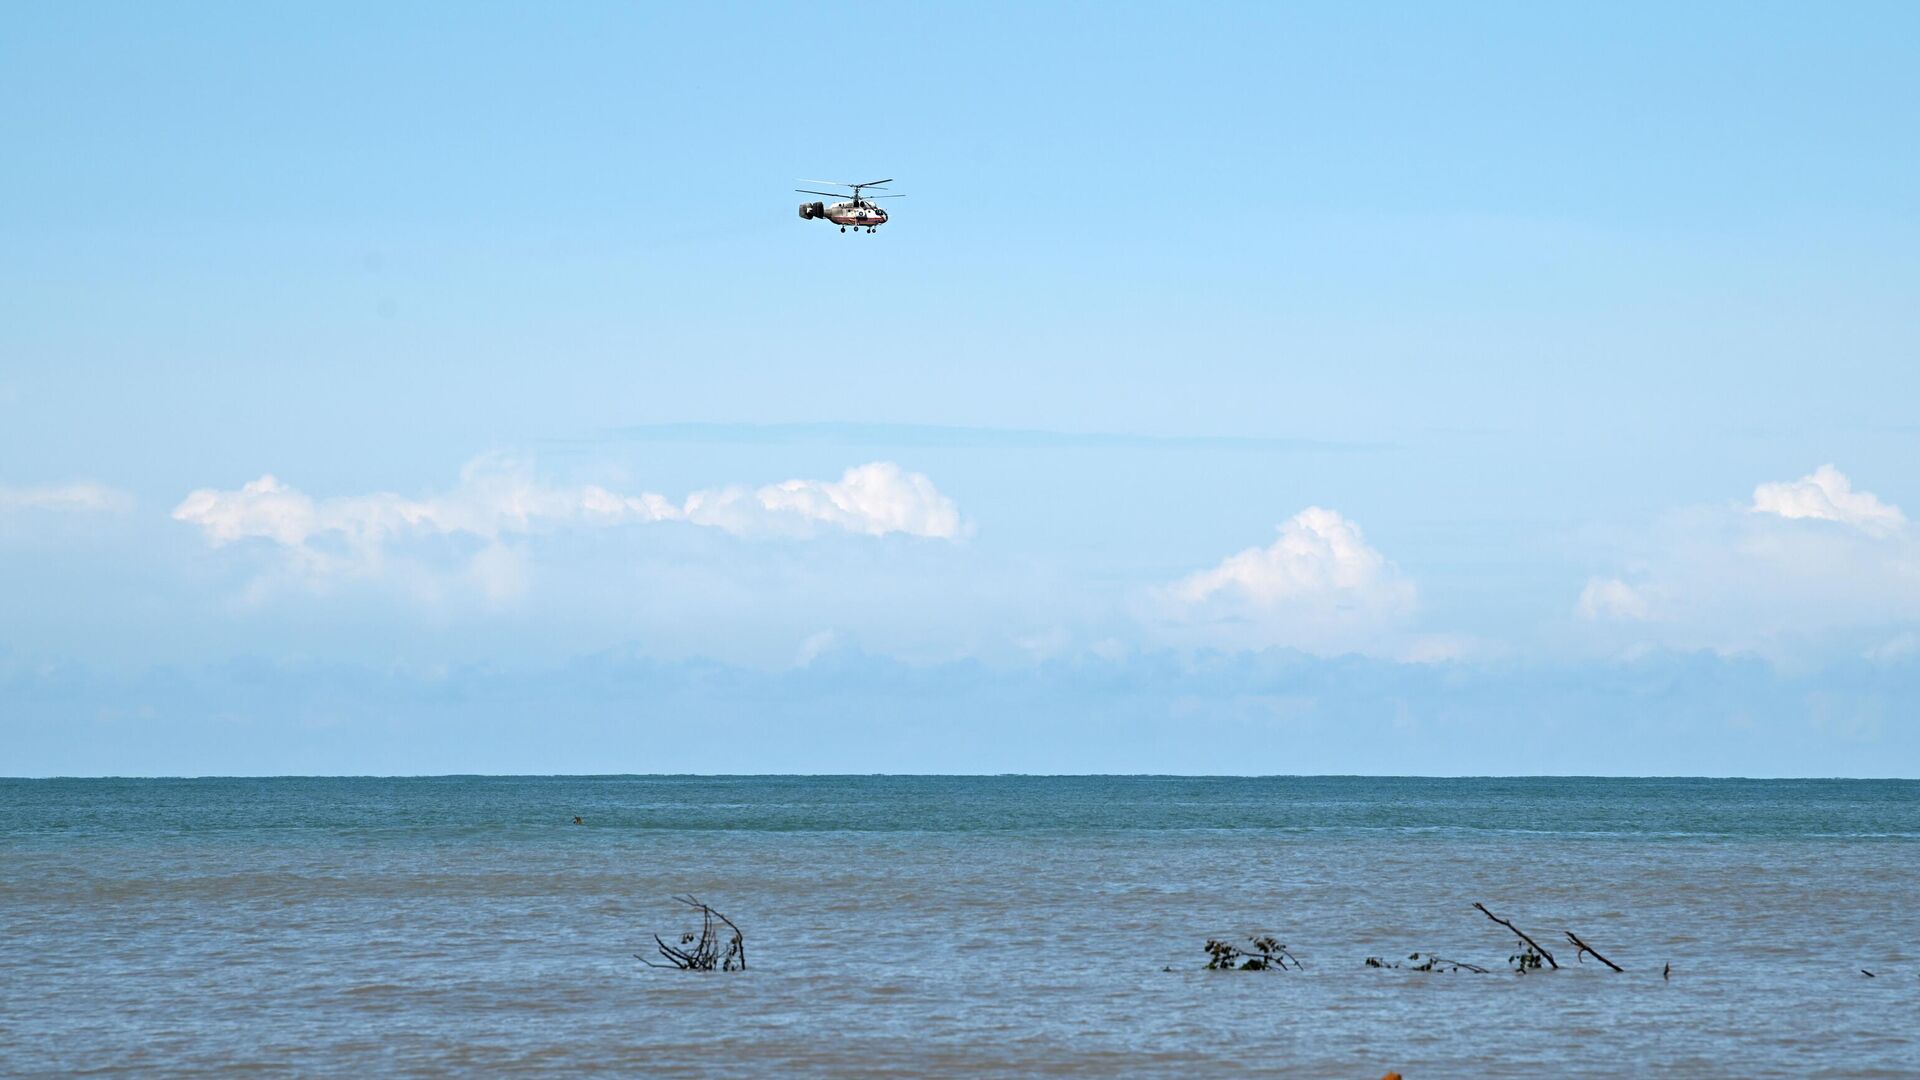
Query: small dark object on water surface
[(1868, 974), (577, 821)]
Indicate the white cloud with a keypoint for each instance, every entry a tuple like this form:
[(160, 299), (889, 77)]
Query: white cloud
[(873, 500), (1318, 587), (497, 499), (1827, 495), (1810, 566), (1611, 598), (77, 497)]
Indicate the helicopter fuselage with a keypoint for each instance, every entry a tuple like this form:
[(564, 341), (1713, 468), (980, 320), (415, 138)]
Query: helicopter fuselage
[(850, 214), (862, 213), (857, 214)]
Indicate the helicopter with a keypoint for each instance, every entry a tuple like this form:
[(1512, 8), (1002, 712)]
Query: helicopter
[(857, 211)]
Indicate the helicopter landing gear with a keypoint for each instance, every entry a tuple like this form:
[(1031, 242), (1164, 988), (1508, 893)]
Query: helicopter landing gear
[(843, 228)]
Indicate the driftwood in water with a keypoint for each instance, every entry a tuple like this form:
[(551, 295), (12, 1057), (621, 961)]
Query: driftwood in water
[(1432, 962), (1266, 954), (1587, 950), (706, 951), (1526, 959)]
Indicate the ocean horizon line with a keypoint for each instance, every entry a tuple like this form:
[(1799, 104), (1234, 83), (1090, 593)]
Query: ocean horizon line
[(951, 776)]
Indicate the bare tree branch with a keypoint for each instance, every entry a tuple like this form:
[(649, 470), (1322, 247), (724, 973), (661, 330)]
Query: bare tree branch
[(1587, 949), (1531, 944)]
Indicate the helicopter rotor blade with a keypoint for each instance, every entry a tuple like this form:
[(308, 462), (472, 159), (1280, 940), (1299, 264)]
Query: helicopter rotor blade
[(842, 183), (828, 194)]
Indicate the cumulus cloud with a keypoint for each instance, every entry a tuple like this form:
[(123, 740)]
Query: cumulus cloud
[(1827, 495), (1318, 587), (497, 499), (76, 497), (1809, 561)]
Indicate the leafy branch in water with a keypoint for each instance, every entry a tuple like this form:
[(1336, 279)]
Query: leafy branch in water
[(1265, 953), (706, 951), (1526, 960)]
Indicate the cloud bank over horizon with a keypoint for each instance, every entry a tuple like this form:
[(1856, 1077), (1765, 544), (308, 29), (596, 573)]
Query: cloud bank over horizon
[(1806, 560), (744, 598), (1804, 564), (1274, 711)]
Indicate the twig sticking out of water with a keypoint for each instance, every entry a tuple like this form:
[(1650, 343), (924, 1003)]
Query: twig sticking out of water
[(704, 953), (1525, 960), (1266, 954), (1587, 950), (1432, 962)]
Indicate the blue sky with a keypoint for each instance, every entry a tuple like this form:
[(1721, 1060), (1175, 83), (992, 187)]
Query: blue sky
[(1413, 389)]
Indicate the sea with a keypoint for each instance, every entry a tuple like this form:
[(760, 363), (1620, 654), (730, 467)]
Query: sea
[(958, 926)]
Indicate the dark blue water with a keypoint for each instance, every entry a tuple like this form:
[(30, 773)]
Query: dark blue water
[(1005, 925)]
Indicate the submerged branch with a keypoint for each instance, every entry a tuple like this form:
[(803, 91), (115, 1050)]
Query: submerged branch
[(1433, 962), (707, 950)]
